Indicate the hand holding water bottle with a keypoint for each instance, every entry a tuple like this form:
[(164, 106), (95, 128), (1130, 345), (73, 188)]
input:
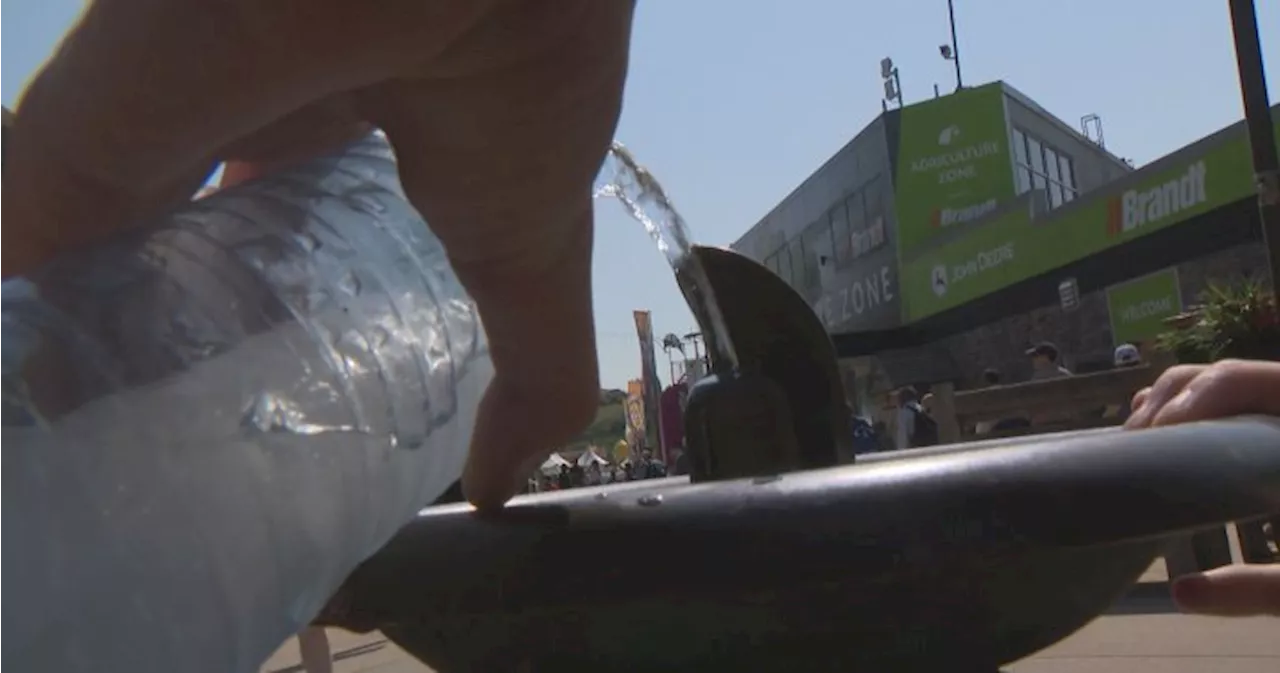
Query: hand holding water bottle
[(500, 113)]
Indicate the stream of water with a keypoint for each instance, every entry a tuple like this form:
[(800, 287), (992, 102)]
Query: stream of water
[(645, 201)]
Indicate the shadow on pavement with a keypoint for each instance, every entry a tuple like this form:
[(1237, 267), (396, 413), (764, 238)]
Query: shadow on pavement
[(358, 650), (1145, 598)]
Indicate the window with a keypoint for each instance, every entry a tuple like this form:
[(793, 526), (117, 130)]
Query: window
[(817, 249), (857, 207), (875, 207), (1039, 166), (796, 253), (1065, 169), (1035, 152), (870, 238), (840, 232), (1020, 148), (784, 263), (852, 207), (853, 227), (1023, 176), (1051, 165)]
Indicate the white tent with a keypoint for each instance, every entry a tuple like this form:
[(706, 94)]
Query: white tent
[(553, 464), (590, 457)]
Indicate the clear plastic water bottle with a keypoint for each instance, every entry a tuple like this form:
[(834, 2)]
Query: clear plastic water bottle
[(209, 424)]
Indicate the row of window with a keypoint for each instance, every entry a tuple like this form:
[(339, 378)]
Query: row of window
[(855, 225), (850, 229), (1039, 166)]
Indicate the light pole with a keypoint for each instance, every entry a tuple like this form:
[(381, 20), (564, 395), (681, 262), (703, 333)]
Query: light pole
[(955, 44), (892, 85), (1257, 116), (1266, 175)]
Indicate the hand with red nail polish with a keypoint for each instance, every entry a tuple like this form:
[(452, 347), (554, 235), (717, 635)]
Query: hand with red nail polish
[(1189, 393)]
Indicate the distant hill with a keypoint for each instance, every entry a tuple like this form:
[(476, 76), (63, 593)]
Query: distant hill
[(610, 424)]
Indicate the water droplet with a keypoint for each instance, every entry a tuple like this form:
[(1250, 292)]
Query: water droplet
[(263, 413), (602, 496), (353, 340), (378, 336), (257, 262), (349, 284), (307, 241), (650, 500), (269, 412), (369, 203), (316, 299), (410, 442)]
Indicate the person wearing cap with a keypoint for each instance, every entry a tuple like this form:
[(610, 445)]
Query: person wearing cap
[(1044, 362), (1127, 355)]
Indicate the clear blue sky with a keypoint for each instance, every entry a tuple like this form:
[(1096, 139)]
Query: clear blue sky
[(732, 103)]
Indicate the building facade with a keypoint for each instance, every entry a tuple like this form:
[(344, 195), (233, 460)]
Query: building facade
[(946, 236), (908, 181)]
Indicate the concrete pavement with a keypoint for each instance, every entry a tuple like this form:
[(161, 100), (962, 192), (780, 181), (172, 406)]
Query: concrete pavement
[(1167, 643), (353, 653)]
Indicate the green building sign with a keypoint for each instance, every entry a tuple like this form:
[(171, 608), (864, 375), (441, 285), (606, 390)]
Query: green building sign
[(953, 163), (1014, 246), (1139, 307)]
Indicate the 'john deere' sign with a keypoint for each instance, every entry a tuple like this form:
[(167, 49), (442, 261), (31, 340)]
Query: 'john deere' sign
[(1139, 307)]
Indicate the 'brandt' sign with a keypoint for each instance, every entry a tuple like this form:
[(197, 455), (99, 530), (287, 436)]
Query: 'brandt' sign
[(865, 294)]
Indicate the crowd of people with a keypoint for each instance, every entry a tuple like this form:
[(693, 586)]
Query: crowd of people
[(913, 424), (596, 472)]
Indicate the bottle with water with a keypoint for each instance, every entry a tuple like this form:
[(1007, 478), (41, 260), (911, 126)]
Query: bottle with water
[(210, 423)]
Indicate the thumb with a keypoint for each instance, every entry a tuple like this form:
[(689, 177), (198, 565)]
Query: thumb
[(1231, 591)]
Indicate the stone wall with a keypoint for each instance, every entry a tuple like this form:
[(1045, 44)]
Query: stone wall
[(1083, 336)]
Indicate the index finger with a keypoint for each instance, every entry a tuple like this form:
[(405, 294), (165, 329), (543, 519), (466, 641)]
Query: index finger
[(140, 96), (1227, 388), (1148, 401)]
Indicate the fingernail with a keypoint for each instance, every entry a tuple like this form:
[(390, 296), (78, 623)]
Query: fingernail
[(1139, 417), (488, 491)]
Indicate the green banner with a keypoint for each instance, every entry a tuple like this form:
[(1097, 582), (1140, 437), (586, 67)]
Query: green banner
[(953, 163), (1139, 307), (1013, 246)]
